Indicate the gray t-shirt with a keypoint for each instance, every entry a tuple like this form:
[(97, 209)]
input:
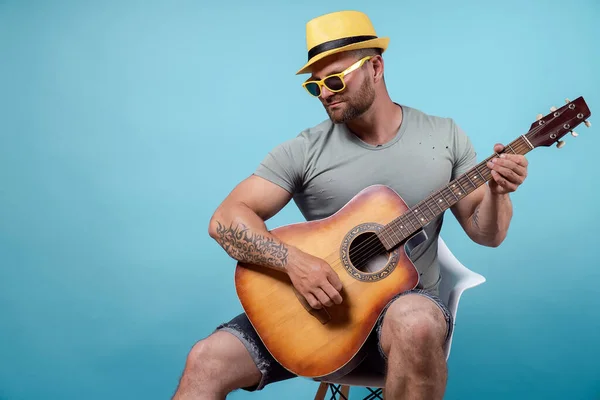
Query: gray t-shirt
[(326, 165)]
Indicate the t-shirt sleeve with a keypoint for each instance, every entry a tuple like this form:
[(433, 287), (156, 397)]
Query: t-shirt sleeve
[(465, 156), (284, 165)]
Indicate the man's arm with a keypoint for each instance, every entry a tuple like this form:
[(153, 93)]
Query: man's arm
[(238, 224), (485, 216), (486, 213)]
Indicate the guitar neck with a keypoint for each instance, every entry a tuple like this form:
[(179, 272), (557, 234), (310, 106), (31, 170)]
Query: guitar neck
[(433, 206)]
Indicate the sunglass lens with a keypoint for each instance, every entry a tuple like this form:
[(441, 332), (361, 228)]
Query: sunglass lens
[(334, 83), (313, 88)]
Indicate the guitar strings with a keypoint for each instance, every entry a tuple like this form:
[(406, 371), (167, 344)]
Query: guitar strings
[(373, 245), (369, 248), (366, 248)]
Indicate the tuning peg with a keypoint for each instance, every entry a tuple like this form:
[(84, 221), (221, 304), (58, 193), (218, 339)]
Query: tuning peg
[(552, 108), (574, 134), (539, 116), (560, 144), (567, 101), (587, 123)]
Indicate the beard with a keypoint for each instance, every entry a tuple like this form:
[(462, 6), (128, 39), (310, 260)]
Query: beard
[(354, 106)]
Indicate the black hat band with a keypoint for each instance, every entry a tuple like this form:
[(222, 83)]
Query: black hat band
[(334, 44)]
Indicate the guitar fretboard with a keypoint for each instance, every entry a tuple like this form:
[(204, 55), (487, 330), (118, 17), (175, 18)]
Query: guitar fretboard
[(431, 207)]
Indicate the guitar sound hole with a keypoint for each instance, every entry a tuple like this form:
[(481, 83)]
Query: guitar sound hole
[(367, 254)]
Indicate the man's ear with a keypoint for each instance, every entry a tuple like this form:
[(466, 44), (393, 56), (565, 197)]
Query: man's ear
[(377, 63)]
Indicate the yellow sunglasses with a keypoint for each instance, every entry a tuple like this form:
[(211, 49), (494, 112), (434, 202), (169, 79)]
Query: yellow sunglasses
[(334, 82)]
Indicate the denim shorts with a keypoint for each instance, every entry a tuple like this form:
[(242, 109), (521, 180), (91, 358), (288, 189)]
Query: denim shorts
[(272, 371)]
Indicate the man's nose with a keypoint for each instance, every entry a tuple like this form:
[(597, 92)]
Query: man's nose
[(326, 93)]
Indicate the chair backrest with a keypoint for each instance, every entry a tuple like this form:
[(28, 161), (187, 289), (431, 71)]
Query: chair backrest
[(456, 278)]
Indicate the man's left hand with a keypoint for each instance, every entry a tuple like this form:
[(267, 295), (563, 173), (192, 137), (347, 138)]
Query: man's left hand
[(508, 172)]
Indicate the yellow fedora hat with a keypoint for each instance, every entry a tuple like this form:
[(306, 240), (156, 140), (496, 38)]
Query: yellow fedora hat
[(339, 31)]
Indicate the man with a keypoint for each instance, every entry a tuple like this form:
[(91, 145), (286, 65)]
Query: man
[(368, 139)]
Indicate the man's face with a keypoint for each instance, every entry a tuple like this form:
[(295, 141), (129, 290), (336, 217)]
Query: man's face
[(358, 95)]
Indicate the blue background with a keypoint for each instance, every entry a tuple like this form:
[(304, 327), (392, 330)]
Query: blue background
[(124, 124)]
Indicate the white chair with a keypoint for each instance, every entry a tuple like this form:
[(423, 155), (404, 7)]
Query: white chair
[(456, 278)]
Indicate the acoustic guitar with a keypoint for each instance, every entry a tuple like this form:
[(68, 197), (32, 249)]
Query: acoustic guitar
[(365, 243)]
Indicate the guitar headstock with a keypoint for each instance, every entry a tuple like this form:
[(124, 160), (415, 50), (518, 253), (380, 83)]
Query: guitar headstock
[(549, 129)]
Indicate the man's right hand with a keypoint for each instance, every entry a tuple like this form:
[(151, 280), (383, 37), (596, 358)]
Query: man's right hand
[(314, 279)]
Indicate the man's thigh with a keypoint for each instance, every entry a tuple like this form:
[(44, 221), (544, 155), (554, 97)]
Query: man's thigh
[(271, 371), (419, 299)]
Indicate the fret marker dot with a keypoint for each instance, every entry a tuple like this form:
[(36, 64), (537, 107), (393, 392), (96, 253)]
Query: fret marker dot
[(459, 193), (440, 200), (422, 219)]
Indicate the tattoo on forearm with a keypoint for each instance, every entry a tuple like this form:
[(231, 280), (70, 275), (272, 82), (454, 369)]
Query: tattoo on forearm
[(243, 245), (475, 217)]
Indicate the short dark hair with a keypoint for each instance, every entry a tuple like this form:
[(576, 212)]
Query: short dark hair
[(360, 53), (368, 52)]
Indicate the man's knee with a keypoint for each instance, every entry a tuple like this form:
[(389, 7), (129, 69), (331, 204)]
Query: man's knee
[(413, 322), (205, 358), (217, 348), (202, 353)]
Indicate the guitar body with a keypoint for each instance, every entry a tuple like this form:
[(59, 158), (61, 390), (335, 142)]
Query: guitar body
[(319, 343)]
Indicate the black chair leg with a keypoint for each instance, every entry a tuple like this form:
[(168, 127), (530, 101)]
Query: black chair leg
[(375, 394), (336, 390), (342, 392)]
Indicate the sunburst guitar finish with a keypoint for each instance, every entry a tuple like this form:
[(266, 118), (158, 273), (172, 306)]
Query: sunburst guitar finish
[(316, 343)]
